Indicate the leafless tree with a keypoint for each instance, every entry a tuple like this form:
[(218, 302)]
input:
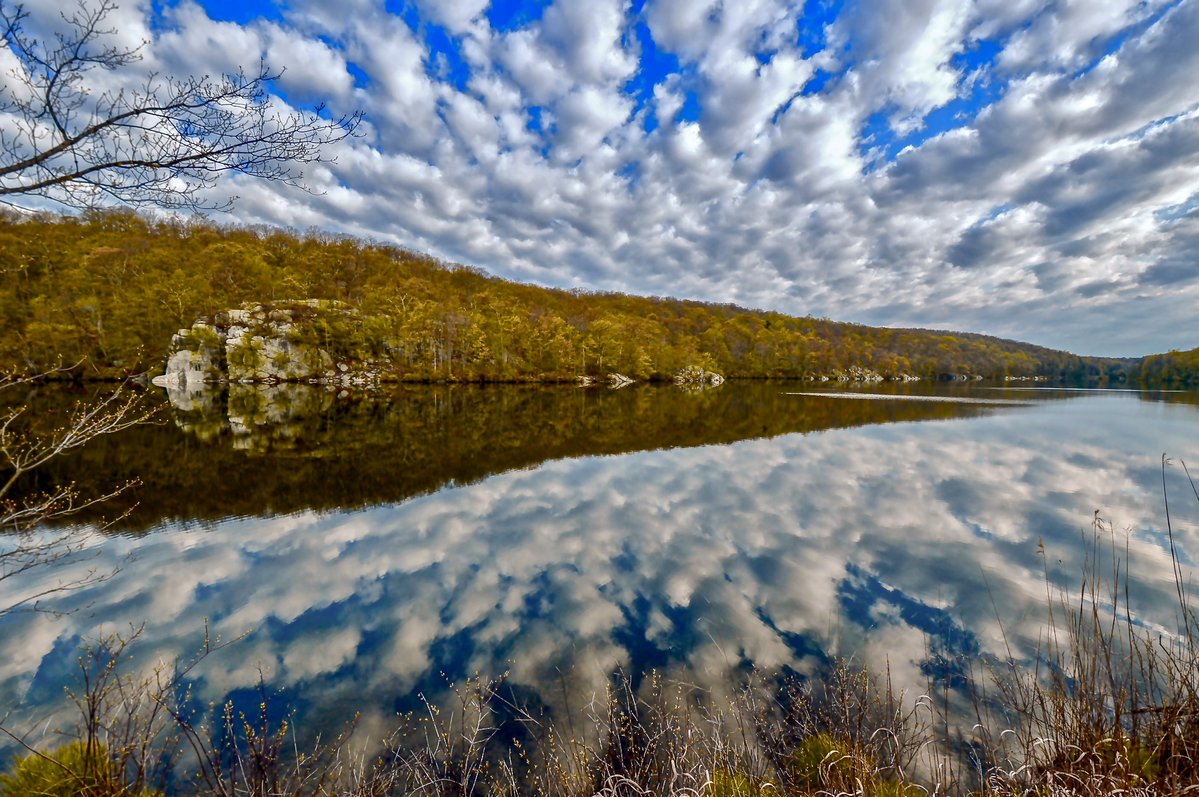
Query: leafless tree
[(30, 537), (161, 143)]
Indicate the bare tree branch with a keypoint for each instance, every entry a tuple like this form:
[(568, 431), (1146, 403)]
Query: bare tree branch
[(28, 540), (162, 143)]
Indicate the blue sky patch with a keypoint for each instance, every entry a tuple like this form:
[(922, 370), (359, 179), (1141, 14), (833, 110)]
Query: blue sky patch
[(984, 53), (444, 61), (692, 107), (242, 12), (535, 119), (537, 124), (631, 173), (1179, 211), (655, 66), (876, 134), (510, 15), (999, 210), (816, 83), (810, 32), (362, 78)]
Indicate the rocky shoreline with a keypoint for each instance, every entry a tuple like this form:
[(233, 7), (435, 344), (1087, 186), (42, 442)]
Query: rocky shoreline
[(304, 341)]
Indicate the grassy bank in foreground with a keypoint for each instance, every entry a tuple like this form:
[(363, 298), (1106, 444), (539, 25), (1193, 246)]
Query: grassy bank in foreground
[(1107, 707)]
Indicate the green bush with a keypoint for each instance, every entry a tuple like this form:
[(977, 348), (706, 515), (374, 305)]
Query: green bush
[(75, 769), (730, 783), (71, 770), (820, 760)]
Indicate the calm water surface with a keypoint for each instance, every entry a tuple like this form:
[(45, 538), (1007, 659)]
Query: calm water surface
[(372, 550)]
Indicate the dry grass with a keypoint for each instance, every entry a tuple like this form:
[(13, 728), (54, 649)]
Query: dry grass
[(1111, 707)]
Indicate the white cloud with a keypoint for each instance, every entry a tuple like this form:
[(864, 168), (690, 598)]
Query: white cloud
[(456, 15), (710, 31), (533, 67), (903, 51), (469, 120), (195, 44), (315, 72), (1073, 33), (588, 37)]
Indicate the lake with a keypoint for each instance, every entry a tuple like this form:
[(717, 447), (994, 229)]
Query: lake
[(373, 550)]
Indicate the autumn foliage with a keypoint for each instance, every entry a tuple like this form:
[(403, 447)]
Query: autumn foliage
[(109, 289)]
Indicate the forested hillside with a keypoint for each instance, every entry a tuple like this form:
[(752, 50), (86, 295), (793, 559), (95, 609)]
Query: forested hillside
[(1172, 369), (108, 289)]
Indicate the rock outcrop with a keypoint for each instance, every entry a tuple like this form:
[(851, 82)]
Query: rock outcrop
[(858, 374), (695, 377), (196, 357), (613, 380), (292, 341)]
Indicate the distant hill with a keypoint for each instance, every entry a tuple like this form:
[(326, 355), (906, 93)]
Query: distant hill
[(109, 289)]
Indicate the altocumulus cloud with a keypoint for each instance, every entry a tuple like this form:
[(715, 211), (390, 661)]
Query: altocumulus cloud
[(1026, 169)]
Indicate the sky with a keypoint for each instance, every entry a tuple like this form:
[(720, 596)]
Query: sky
[(1019, 168)]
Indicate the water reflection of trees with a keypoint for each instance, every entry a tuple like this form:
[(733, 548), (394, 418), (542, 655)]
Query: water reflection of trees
[(922, 549), (256, 450)]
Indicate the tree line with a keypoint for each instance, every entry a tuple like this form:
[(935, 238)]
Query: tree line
[(1172, 369), (107, 290)]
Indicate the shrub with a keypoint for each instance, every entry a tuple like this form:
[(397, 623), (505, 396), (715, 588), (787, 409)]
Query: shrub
[(730, 783), (76, 768), (822, 760)]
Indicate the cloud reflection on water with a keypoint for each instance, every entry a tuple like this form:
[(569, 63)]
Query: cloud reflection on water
[(893, 543)]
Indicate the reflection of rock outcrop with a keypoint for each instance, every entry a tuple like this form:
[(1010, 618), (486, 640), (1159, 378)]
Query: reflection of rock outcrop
[(296, 341), (192, 397), (267, 417), (199, 407), (260, 417)]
